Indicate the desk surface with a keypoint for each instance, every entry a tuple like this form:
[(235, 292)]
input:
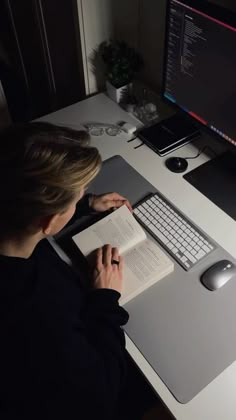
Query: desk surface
[(217, 400)]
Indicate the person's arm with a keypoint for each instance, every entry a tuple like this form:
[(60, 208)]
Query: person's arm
[(84, 364), (83, 207), (105, 354), (91, 203), (103, 318), (79, 367), (82, 210)]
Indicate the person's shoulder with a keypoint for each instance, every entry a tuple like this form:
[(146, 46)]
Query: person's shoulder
[(42, 247), (45, 253)]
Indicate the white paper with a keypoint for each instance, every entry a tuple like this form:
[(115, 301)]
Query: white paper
[(120, 229), (144, 265), (144, 261)]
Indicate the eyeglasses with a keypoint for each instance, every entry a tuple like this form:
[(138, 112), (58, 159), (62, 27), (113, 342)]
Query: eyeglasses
[(98, 129)]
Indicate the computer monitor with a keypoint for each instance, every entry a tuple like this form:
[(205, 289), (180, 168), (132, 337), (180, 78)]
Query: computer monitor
[(200, 64), (200, 80)]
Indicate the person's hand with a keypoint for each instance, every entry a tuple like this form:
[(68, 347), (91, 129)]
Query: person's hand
[(108, 201), (106, 273)]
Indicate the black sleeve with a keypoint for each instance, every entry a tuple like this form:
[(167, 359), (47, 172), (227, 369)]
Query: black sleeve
[(87, 373), (82, 207), (104, 351), (79, 345)]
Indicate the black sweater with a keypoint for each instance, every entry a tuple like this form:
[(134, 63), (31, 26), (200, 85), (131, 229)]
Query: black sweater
[(62, 349)]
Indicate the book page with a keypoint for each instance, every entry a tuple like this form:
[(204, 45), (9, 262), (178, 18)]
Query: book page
[(144, 265), (120, 229)]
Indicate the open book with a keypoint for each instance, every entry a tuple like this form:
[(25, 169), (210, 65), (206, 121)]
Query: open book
[(144, 262)]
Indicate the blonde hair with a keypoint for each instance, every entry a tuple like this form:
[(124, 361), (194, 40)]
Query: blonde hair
[(43, 168)]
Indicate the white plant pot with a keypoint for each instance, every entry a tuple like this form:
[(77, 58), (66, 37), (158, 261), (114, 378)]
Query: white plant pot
[(114, 93)]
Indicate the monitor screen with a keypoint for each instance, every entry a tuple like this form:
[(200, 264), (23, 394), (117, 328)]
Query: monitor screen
[(200, 64)]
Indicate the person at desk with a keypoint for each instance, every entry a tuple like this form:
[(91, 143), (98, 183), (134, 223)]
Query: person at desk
[(62, 347)]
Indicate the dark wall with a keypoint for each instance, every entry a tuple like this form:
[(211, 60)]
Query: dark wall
[(40, 68)]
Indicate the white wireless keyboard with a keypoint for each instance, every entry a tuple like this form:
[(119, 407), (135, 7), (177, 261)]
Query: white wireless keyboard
[(168, 226)]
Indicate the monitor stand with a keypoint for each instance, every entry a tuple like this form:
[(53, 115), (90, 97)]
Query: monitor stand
[(216, 179)]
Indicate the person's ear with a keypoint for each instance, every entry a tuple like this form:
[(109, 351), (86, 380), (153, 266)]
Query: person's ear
[(48, 224)]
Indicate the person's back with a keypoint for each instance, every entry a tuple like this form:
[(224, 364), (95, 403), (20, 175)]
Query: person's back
[(62, 348)]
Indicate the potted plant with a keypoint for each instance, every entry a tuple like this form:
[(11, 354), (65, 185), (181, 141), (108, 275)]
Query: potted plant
[(122, 63)]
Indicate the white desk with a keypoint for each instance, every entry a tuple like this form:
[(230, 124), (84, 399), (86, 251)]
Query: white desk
[(217, 401)]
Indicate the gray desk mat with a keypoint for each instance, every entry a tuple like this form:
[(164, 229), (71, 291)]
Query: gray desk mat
[(185, 332)]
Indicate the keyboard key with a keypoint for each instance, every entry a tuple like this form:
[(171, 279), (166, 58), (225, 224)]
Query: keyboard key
[(159, 234), (190, 257), (200, 255), (205, 248)]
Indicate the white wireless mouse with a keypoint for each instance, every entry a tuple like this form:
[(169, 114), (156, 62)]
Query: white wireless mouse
[(218, 274)]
